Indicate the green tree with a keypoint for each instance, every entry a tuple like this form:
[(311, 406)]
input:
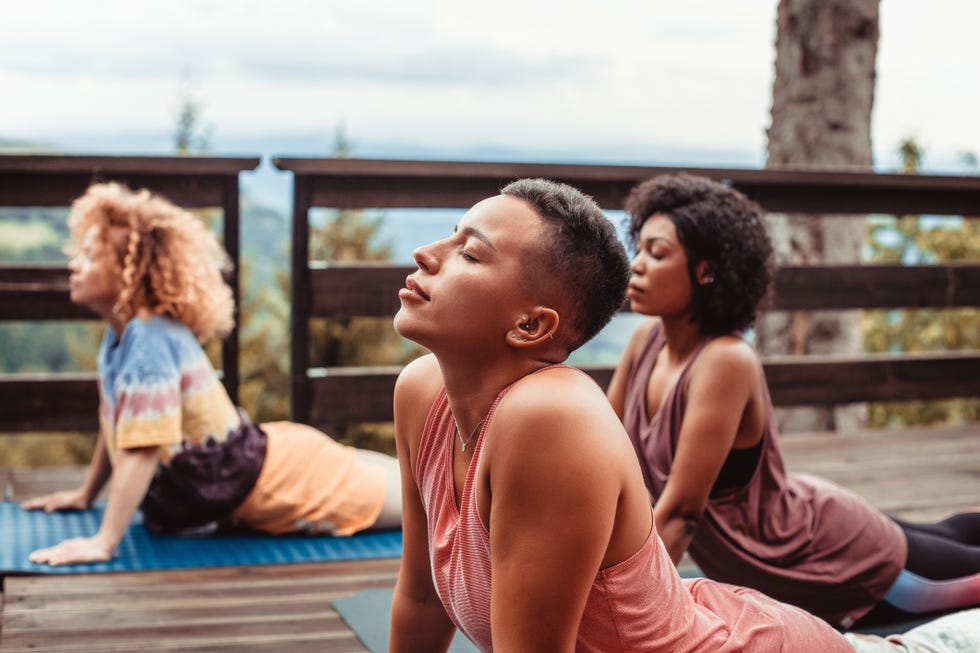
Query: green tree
[(912, 239), (191, 135)]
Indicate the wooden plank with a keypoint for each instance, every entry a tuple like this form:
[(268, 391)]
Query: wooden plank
[(348, 395), (49, 402), (264, 608), (300, 300), (803, 380), (365, 183), (830, 287), (232, 243), (345, 395), (343, 290), (45, 180), (31, 189), (33, 482), (38, 292), (190, 166), (922, 473), (364, 289)]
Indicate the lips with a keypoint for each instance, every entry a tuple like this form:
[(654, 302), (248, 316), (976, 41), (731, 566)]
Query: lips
[(412, 286)]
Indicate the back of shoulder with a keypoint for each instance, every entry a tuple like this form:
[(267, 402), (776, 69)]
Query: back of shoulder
[(418, 383), (558, 393), (159, 344), (730, 352), (158, 331)]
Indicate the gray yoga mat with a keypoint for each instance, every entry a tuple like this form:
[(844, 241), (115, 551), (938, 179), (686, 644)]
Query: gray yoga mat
[(368, 613)]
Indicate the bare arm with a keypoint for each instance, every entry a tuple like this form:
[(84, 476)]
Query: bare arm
[(132, 473), (557, 472), (720, 388), (80, 498), (419, 623), (616, 392)]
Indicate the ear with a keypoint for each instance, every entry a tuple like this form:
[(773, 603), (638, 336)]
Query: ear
[(704, 273), (534, 327)]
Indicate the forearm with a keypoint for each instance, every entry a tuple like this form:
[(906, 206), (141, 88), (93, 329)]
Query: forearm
[(132, 473), (99, 471), (676, 532), (418, 626)]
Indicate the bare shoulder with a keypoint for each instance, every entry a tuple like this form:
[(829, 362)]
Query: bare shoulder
[(728, 355), (415, 389), (419, 378), (561, 408), (727, 364)]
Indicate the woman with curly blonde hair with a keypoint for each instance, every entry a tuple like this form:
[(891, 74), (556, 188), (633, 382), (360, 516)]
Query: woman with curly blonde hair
[(169, 263), (169, 435)]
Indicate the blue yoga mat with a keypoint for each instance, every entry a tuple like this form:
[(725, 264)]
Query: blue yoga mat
[(23, 531)]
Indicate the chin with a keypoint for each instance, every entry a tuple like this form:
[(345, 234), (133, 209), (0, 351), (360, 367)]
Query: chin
[(402, 324)]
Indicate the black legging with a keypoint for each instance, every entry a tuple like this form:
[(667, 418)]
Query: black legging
[(946, 549), (941, 551)]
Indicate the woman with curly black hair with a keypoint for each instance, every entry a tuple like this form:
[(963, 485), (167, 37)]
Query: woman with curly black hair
[(693, 397)]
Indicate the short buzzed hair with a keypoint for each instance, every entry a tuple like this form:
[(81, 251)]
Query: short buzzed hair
[(581, 252)]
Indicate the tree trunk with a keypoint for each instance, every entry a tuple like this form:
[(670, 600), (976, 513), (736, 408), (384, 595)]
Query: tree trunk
[(821, 119)]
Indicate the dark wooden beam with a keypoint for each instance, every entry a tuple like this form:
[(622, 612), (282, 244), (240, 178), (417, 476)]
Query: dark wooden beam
[(344, 290), (49, 402), (830, 287), (362, 394), (42, 180), (368, 183)]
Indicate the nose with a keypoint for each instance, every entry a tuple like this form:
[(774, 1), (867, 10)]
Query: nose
[(425, 258), (636, 265)]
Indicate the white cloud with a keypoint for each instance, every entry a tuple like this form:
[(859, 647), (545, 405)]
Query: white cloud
[(510, 73)]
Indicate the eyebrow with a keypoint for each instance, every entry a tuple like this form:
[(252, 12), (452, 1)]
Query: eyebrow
[(652, 239), (476, 233)]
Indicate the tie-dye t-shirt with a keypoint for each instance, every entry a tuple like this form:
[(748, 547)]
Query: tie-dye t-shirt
[(157, 387)]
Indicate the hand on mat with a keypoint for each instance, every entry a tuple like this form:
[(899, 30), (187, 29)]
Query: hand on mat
[(64, 500), (75, 550)]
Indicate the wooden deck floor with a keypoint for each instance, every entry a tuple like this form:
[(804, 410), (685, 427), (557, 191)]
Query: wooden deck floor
[(912, 474)]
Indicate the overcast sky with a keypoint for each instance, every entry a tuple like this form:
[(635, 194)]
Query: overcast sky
[(536, 76)]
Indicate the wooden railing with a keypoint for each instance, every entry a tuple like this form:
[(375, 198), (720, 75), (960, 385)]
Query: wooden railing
[(363, 394), (46, 402)]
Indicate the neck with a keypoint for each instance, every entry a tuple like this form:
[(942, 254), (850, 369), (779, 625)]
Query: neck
[(472, 384), (682, 336), (109, 317)]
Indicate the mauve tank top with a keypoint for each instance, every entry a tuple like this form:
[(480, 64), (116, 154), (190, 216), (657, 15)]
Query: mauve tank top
[(638, 605), (798, 538)]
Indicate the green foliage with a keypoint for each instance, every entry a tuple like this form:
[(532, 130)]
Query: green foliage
[(263, 360), (46, 449), (906, 239), (33, 235)]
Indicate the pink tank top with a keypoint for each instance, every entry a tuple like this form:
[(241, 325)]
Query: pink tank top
[(798, 538), (640, 604)]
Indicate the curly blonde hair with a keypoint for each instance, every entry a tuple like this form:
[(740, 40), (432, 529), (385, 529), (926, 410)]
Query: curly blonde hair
[(170, 263)]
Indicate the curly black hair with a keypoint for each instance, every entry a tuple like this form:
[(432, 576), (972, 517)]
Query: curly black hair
[(714, 223), (582, 252)]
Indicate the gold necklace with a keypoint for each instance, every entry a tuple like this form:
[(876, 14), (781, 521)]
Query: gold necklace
[(465, 442)]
